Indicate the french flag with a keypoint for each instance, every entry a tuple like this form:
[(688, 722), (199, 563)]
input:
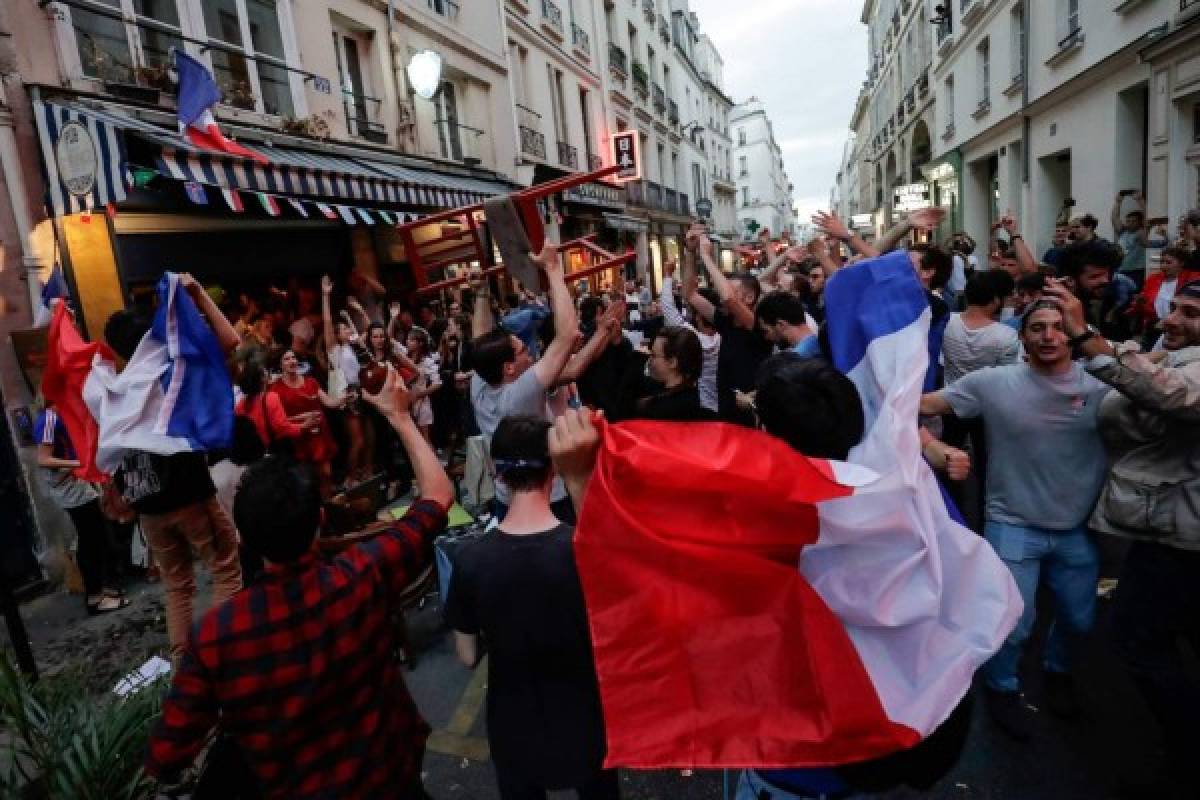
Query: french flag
[(197, 94), (53, 291), (175, 394), (788, 611)]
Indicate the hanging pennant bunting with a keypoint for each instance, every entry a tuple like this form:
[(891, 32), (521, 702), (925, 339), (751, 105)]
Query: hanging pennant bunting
[(365, 216), (233, 200), (195, 192), (269, 203), (327, 210), (111, 210), (347, 215), (387, 217), (300, 209)]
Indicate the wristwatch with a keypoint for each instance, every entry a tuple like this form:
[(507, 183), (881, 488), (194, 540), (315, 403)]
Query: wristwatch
[(1076, 341)]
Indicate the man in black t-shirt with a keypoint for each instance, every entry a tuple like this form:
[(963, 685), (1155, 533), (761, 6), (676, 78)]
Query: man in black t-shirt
[(743, 347), (175, 496), (518, 588)]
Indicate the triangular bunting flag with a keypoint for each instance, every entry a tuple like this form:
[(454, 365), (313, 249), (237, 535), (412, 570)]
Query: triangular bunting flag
[(387, 217), (233, 200), (365, 216), (195, 192), (347, 215), (300, 209), (269, 203), (327, 210)]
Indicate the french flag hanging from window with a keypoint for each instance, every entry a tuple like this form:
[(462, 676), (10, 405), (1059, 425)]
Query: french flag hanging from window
[(198, 93)]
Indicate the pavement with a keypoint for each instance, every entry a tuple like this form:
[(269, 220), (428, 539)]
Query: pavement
[(1065, 760)]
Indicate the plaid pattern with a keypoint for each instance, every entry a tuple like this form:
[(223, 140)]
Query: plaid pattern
[(300, 669)]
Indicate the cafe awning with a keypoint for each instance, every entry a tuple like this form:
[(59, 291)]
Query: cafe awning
[(85, 150)]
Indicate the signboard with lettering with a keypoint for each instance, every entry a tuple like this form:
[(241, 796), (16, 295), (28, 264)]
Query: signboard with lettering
[(627, 156), (596, 194), (910, 197)]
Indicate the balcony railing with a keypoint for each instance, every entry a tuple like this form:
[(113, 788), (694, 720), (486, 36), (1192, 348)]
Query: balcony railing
[(641, 81), (654, 194), (595, 162), (362, 116), (648, 194), (673, 112), (648, 10), (664, 30), (1184, 5), (580, 38), (568, 156), (671, 201), (618, 62), (944, 29), (660, 99), (529, 123), (552, 15), (458, 142)]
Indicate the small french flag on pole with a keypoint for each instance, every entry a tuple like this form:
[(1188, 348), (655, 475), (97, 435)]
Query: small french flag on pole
[(197, 94)]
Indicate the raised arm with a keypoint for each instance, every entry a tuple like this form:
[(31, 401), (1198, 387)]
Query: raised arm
[(574, 441), (666, 300), (832, 226), (610, 320), (742, 316), (394, 402), (691, 282), (1116, 215), (482, 321), (327, 312), (227, 337), (1026, 262), (566, 321), (934, 404), (770, 276)]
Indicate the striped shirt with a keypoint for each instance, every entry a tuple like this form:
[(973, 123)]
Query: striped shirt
[(965, 350)]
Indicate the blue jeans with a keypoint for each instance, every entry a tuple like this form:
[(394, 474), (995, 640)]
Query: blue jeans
[(1072, 567), (751, 786)]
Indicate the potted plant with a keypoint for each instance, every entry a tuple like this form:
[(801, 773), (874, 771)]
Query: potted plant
[(155, 76), (640, 76)]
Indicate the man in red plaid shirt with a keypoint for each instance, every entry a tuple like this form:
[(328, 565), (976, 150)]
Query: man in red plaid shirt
[(298, 670)]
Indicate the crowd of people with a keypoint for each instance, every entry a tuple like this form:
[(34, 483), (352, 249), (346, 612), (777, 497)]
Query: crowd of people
[(1062, 403)]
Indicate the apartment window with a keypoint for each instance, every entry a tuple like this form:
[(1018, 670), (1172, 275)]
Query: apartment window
[(112, 50), (745, 195), (984, 57), (741, 137), (449, 136), (1018, 42), (697, 182), (742, 170), (949, 102), (520, 73), (585, 114), (1072, 16), (359, 105), (558, 104), (252, 26), (447, 8)]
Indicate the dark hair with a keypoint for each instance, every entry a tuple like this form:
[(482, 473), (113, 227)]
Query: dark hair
[(422, 336), (250, 378), (124, 331), (1192, 217), (683, 345), (810, 405), (387, 340), (278, 508), (1038, 305), (780, 307), (490, 352), (589, 309), (1031, 282), (984, 288), (1089, 221), (710, 295), (248, 446), (748, 280), (520, 449), (1095, 253), (1177, 253), (512, 299), (937, 259)]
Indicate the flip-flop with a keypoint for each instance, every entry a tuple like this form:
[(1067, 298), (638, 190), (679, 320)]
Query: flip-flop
[(93, 609)]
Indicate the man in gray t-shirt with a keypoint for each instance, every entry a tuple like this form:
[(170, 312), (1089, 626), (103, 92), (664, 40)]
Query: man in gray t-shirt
[(1045, 468)]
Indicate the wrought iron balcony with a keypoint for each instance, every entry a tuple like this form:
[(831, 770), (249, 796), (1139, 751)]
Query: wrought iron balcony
[(552, 15), (641, 81), (648, 10), (568, 156), (362, 116), (673, 112), (654, 194), (664, 30), (660, 99), (618, 62), (580, 38), (533, 141), (671, 201)]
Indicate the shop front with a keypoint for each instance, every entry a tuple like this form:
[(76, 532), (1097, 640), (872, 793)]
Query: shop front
[(944, 179), (585, 211)]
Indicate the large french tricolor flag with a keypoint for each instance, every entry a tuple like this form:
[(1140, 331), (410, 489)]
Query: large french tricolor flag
[(197, 94), (712, 649), (175, 394)]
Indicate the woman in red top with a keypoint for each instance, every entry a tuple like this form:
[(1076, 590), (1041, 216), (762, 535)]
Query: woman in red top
[(1154, 303), (304, 402), (264, 408)]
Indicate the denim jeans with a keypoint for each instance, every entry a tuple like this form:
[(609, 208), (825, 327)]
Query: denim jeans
[(751, 786), (1072, 567)]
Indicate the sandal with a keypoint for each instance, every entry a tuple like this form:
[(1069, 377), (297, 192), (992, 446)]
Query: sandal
[(106, 605)]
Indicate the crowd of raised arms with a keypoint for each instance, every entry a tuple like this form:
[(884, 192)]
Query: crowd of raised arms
[(1061, 413)]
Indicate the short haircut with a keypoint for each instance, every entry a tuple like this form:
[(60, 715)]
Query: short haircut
[(748, 281), (781, 307), (124, 331), (1040, 305), (1192, 218), (1177, 253), (278, 508), (1031, 282), (807, 403), (937, 259), (683, 345), (521, 451), (984, 288), (1095, 253), (1089, 221), (490, 352)]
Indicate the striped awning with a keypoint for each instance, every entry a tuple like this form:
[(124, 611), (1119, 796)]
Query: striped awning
[(291, 172)]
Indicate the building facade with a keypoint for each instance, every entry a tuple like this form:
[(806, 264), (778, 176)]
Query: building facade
[(764, 192), (723, 218)]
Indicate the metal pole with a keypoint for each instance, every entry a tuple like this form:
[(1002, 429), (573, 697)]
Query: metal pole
[(16, 629)]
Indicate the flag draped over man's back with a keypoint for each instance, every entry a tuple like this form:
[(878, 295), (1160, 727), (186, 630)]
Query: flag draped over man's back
[(712, 649), (174, 395), (68, 362)]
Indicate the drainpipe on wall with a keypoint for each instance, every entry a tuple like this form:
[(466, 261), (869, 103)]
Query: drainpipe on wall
[(1026, 123), (10, 164)]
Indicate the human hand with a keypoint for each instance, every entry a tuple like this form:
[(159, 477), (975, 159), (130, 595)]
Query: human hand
[(669, 268), (927, 218), (694, 234), (394, 400), (548, 260), (574, 441), (1008, 223), (831, 225), (1074, 319), (705, 246), (394, 310), (796, 254), (326, 285), (954, 462), (744, 400), (353, 303)]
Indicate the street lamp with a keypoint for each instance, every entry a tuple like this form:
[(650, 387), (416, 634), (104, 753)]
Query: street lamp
[(424, 72)]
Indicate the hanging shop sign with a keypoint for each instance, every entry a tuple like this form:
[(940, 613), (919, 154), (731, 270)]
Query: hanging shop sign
[(595, 194), (75, 152), (627, 156), (910, 197)]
